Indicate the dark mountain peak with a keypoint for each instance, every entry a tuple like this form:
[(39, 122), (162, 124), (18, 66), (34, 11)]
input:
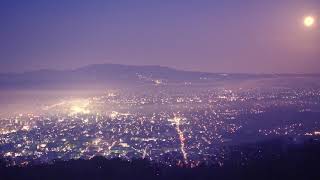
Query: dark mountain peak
[(107, 74), (120, 67)]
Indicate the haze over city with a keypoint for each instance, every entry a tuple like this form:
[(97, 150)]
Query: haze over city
[(150, 89)]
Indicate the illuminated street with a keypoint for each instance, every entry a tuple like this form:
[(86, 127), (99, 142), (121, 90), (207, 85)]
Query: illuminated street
[(171, 127)]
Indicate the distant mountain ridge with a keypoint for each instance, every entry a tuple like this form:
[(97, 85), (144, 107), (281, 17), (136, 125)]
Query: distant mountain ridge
[(118, 74)]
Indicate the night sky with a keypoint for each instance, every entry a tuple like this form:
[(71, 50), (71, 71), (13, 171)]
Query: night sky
[(247, 36)]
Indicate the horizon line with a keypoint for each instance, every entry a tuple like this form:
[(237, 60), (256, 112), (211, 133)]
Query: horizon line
[(160, 66)]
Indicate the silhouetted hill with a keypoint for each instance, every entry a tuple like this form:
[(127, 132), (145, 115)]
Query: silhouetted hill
[(102, 74), (277, 159)]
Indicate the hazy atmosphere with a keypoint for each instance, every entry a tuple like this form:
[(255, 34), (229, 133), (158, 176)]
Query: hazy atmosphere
[(159, 89), (246, 36)]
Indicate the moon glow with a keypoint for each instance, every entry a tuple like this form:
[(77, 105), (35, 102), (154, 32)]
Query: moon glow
[(309, 21)]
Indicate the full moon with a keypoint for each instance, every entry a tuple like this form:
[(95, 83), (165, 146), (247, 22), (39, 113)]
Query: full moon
[(309, 21)]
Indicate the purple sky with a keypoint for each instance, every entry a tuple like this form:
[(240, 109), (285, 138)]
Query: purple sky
[(251, 36)]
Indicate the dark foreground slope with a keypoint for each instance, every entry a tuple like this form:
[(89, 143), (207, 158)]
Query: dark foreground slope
[(276, 159)]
